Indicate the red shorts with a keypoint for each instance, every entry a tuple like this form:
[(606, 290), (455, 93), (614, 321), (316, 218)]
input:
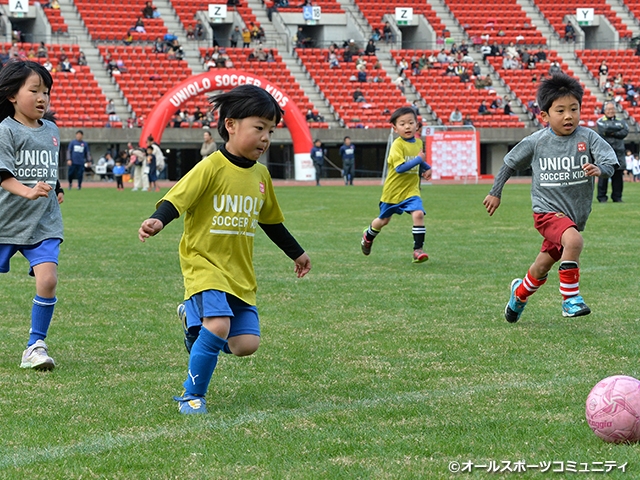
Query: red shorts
[(551, 226)]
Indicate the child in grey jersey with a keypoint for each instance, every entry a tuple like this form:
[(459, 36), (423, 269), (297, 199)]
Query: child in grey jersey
[(30, 218), (564, 159)]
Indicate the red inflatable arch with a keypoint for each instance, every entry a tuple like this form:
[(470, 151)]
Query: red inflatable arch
[(226, 79)]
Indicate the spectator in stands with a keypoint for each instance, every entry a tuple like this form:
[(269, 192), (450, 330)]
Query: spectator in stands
[(370, 49), (442, 57), (554, 68), (603, 73), (569, 32), (159, 46), (399, 82), (416, 108), (361, 72), (4, 55), (524, 56), (139, 26), (333, 60), (128, 39), (246, 38), (234, 37), (482, 83), (467, 120), (358, 96), (111, 107), (81, 60), (509, 63), (313, 117), (376, 34), (255, 31), (476, 70), (507, 106), (456, 116), (65, 66), (483, 110), (461, 72), (486, 51), (496, 50), (177, 119), (48, 65), (147, 11), (534, 109), (497, 104), (200, 31), (531, 63), (511, 50), (387, 32), (55, 4), (42, 51), (191, 32)]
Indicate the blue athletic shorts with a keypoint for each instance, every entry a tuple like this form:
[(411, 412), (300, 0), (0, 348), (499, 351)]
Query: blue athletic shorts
[(409, 205), (43, 252), (214, 303)]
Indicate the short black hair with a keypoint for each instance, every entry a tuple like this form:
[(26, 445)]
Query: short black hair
[(402, 111), (242, 102), (80, 132), (557, 86)]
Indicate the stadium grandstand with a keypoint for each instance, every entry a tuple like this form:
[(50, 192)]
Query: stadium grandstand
[(345, 64)]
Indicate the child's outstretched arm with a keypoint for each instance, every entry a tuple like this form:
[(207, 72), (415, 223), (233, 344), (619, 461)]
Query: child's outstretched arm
[(409, 164), (13, 185), (492, 201), (165, 213), (283, 239)]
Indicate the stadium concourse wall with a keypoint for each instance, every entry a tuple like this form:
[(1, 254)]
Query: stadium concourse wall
[(183, 145)]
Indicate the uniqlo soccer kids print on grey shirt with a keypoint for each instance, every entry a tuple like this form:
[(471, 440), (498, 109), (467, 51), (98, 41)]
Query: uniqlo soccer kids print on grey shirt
[(30, 155), (558, 183)]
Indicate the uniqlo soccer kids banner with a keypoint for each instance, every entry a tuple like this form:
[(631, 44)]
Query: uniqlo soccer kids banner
[(453, 152), (226, 79)]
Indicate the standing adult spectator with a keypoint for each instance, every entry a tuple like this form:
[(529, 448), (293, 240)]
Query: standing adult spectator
[(234, 37), (614, 131), (317, 157), (208, 145), (348, 154), (160, 162), (78, 155)]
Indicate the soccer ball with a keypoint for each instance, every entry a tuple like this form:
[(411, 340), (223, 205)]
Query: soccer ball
[(613, 409)]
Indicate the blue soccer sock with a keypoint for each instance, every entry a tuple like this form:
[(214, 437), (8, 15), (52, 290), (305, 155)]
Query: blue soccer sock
[(202, 362), (41, 315)]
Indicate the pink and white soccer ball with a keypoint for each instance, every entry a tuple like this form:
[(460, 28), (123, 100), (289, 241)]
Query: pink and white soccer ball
[(613, 409)]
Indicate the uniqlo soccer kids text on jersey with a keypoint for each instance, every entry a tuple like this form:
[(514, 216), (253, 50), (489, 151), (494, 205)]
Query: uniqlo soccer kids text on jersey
[(30, 155), (223, 204), (400, 186)]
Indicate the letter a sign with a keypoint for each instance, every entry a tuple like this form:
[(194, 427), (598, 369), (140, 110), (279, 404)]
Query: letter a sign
[(19, 6)]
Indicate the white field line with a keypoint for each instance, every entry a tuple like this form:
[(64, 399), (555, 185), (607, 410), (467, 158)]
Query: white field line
[(110, 441)]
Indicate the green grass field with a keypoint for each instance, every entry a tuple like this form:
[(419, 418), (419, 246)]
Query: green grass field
[(370, 367)]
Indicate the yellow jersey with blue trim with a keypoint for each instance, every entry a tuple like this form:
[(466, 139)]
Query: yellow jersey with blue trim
[(223, 204), (400, 186)]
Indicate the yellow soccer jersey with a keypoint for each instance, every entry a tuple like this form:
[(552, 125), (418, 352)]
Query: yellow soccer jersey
[(223, 204), (400, 186)]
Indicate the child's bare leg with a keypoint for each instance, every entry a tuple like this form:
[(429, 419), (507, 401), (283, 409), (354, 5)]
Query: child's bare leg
[(46, 275), (572, 243), (243, 345), (378, 223)]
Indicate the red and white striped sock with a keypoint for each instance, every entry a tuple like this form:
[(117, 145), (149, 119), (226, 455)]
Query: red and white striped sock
[(529, 286), (569, 274)]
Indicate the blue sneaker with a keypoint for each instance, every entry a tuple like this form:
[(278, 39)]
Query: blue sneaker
[(191, 404), (514, 308), (189, 338), (575, 307)]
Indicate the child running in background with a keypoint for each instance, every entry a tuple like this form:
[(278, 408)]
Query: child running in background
[(31, 222), (401, 191), (225, 197), (564, 158)]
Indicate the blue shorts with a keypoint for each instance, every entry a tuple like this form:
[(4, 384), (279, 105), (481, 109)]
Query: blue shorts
[(43, 252), (409, 205), (214, 303)]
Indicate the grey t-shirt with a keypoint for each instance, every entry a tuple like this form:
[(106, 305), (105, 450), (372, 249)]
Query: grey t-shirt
[(30, 155), (558, 183)]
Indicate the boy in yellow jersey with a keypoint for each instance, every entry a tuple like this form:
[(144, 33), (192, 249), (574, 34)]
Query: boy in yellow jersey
[(225, 197), (401, 191)]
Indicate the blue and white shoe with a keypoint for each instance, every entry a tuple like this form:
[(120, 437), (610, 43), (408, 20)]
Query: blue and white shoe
[(575, 307), (189, 338), (514, 308), (191, 404)]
